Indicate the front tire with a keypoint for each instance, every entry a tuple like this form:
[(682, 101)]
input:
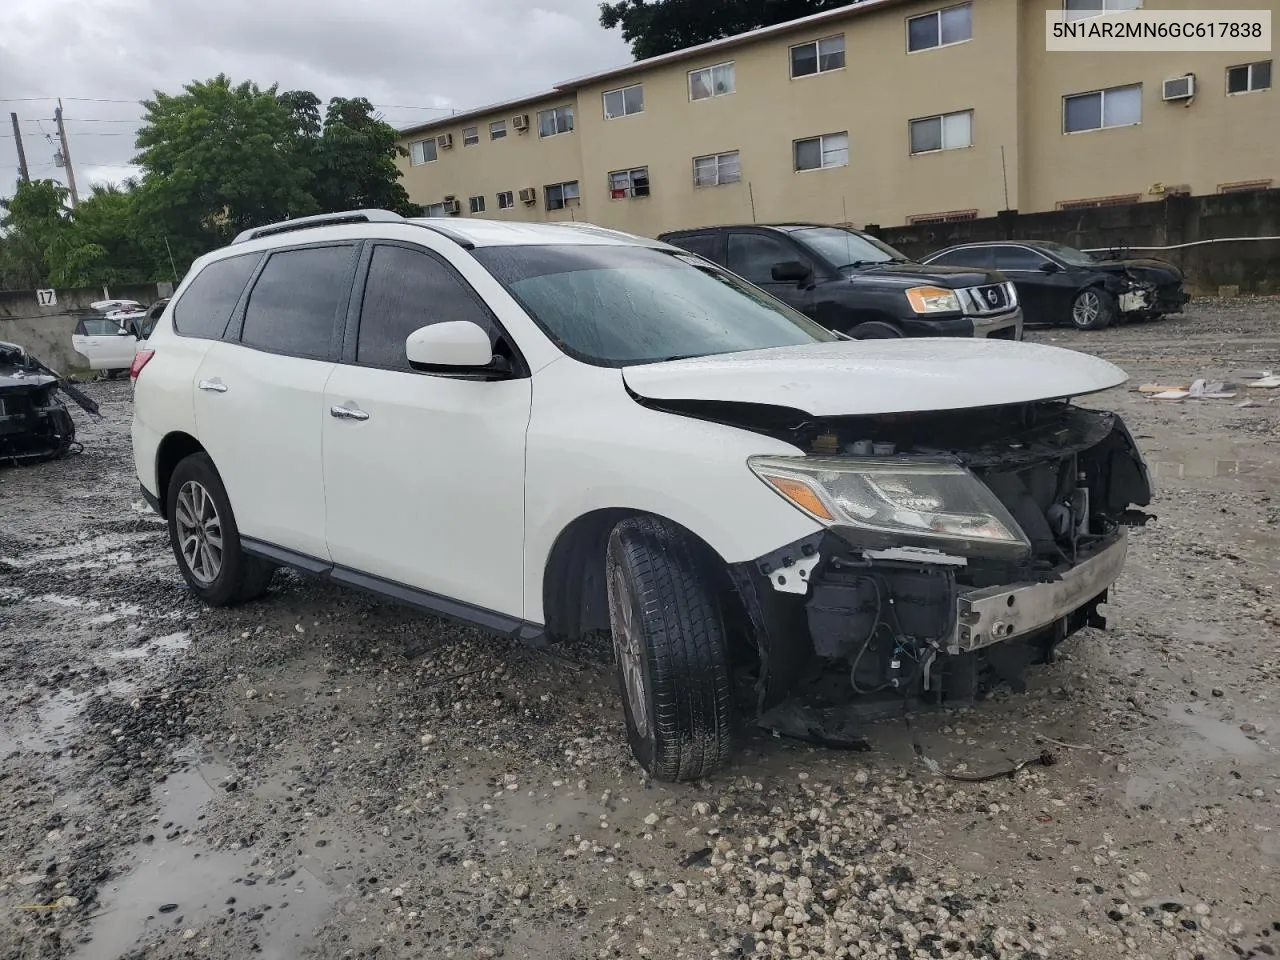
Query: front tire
[(1093, 309), (671, 650), (206, 540), (875, 330)]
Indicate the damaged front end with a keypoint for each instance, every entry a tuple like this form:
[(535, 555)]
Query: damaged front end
[(34, 422), (959, 548)]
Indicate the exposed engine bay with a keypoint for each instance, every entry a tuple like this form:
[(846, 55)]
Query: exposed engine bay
[(886, 617), (34, 422)]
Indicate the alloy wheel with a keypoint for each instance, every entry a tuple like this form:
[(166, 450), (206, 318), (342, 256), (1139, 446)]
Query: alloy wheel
[(630, 652), (1086, 309), (199, 531)]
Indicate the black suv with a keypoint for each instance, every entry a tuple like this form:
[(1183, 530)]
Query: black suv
[(851, 282)]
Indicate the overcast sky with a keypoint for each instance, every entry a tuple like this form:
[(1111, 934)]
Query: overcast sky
[(400, 54)]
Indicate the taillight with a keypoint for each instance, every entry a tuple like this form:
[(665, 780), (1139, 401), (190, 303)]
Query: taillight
[(140, 360)]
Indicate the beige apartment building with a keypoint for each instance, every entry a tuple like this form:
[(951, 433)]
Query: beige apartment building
[(884, 111)]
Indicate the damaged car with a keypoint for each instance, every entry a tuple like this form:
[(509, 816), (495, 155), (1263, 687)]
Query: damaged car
[(555, 431), (1058, 284), (35, 424)]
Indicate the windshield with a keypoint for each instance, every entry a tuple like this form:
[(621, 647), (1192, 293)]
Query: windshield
[(1069, 255), (844, 247), (620, 305)]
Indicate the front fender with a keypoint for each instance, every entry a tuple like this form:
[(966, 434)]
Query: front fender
[(592, 447)]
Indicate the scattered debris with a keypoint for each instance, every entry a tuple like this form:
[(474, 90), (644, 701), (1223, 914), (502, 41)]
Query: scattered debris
[(1266, 381)]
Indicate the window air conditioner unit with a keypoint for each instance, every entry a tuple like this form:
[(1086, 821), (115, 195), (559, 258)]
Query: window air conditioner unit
[(444, 141), (452, 207), (1180, 88), (527, 195), (521, 122)]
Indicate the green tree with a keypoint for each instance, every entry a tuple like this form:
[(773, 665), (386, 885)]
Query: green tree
[(353, 162), (654, 27), (34, 222), (107, 242), (217, 159)]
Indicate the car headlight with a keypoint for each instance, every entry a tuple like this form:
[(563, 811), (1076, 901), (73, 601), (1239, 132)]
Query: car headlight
[(933, 300), (900, 502), (1011, 292)]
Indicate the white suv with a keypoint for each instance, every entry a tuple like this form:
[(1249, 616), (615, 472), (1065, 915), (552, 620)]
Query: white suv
[(549, 430)]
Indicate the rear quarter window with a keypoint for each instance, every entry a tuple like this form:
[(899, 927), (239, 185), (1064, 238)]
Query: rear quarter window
[(205, 306)]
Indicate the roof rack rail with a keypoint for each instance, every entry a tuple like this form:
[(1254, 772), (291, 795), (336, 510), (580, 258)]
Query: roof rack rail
[(319, 220), (445, 232)]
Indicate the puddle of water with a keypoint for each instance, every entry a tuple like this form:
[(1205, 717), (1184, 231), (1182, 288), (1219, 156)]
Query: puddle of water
[(1210, 466), (200, 881), (170, 643), (121, 612), (74, 602), (96, 547), (1200, 738), (52, 729), (1213, 739)]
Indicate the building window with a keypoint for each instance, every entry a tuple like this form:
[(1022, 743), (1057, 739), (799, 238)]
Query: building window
[(714, 81), (1244, 186), (951, 131), (506, 200), (470, 136), (556, 120), (476, 204), (818, 153), (1075, 9), (941, 28), (1120, 200), (629, 183), (442, 209), (949, 216), (422, 151), (717, 169), (622, 102), (559, 194), (497, 130), (817, 57), (1116, 107), (1249, 77)]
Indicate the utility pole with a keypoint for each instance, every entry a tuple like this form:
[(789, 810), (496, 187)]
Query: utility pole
[(66, 156), (22, 154)]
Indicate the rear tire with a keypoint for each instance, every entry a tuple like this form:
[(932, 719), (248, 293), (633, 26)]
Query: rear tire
[(671, 650), (1093, 309), (206, 540)]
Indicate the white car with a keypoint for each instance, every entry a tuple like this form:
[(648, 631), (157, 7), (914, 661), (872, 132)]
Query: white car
[(107, 343), (551, 430)]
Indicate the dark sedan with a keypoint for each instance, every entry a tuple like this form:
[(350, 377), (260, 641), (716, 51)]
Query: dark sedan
[(1060, 284)]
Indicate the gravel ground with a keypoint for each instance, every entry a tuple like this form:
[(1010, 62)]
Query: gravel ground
[(324, 775)]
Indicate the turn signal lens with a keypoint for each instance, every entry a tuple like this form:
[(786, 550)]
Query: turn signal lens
[(801, 494)]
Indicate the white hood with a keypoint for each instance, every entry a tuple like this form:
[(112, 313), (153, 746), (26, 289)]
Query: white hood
[(867, 377)]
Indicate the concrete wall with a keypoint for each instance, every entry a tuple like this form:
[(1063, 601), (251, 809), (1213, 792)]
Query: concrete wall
[(1253, 266), (46, 331)]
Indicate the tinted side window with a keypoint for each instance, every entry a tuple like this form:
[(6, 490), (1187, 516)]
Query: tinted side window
[(1017, 258), (295, 302), (972, 257), (753, 255), (704, 245), (206, 305), (407, 289)]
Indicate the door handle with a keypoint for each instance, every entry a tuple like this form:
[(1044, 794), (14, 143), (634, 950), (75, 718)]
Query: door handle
[(213, 386), (347, 413)]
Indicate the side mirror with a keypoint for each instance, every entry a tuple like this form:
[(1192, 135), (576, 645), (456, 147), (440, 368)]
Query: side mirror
[(1049, 267), (791, 271), (454, 346)]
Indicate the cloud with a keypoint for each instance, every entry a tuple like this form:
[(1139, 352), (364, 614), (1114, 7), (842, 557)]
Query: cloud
[(401, 55)]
